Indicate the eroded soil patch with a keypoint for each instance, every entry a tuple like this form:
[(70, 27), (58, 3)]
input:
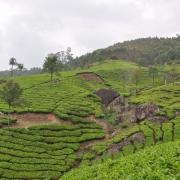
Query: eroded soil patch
[(91, 77), (108, 129), (31, 119)]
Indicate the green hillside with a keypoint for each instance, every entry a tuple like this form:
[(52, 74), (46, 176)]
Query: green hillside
[(160, 162), (86, 133)]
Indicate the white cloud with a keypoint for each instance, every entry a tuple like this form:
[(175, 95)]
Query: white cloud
[(31, 29)]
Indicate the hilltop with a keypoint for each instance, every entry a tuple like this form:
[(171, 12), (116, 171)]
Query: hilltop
[(147, 51)]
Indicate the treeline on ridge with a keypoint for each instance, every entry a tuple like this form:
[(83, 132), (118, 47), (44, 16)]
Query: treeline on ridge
[(147, 51), (16, 72)]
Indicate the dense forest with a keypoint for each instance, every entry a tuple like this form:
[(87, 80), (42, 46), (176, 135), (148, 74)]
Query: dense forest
[(144, 51)]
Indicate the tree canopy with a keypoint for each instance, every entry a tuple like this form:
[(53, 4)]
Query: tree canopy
[(52, 65), (12, 62), (151, 50), (10, 93)]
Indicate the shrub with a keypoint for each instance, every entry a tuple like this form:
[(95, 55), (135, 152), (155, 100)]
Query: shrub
[(124, 125), (171, 114)]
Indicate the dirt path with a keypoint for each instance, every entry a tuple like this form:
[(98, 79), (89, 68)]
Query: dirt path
[(107, 127), (31, 119)]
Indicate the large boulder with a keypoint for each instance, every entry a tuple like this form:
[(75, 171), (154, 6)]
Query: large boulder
[(156, 119), (116, 102), (107, 95), (146, 110)]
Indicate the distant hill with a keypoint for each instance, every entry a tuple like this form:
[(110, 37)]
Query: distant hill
[(147, 51)]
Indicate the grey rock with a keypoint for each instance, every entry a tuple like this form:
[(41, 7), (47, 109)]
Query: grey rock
[(120, 110), (146, 110), (156, 119), (133, 119), (177, 113), (116, 102), (117, 120)]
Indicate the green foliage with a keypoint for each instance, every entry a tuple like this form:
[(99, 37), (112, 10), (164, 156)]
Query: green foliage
[(153, 72), (171, 114), (138, 145), (4, 120), (12, 62), (51, 65), (136, 77), (128, 149), (124, 125), (160, 162), (100, 148), (166, 97), (88, 156), (144, 51), (10, 94), (72, 98), (110, 115), (45, 148)]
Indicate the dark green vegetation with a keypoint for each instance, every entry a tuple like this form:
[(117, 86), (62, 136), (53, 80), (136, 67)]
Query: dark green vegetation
[(4, 120), (47, 151), (160, 162), (154, 162), (18, 72), (10, 94), (144, 51)]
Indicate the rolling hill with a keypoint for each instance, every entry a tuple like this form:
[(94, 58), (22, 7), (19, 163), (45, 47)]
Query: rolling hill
[(67, 126)]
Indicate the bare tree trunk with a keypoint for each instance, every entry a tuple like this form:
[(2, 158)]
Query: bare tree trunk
[(8, 116), (12, 71), (51, 79), (153, 80)]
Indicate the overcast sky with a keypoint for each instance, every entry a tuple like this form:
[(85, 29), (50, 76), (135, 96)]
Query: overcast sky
[(31, 29)]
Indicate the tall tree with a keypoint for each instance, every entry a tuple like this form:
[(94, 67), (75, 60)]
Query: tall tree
[(136, 78), (153, 73), (12, 62), (173, 72), (141, 62), (20, 67), (10, 93), (51, 65), (124, 77), (69, 55), (170, 73)]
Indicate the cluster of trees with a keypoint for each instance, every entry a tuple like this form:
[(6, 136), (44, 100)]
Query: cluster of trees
[(65, 58), (11, 91), (53, 63), (24, 72), (147, 51), (169, 73)]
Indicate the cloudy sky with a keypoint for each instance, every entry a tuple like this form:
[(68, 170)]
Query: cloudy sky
[(31, 29)]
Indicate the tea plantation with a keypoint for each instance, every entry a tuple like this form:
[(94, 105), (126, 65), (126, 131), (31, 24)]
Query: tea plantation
[(51, 151), (44, 151)]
